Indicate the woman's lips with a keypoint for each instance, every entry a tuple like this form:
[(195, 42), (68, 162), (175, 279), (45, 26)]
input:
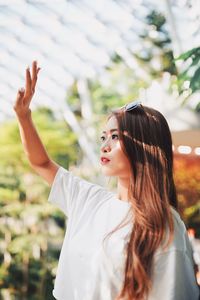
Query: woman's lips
[(104, 160)]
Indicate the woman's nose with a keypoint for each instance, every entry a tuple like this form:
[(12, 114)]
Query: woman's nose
[(105, 148)]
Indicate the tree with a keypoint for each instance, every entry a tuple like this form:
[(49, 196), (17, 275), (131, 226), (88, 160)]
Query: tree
[(189, 76), (156, 55), (31, 230)]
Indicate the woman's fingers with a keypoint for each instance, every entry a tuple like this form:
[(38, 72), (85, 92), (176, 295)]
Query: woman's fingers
[(34, 67), (24, 96), (34, 75), (19, 98), (35, 71), (31, 79), (28, 83), (20, 94)]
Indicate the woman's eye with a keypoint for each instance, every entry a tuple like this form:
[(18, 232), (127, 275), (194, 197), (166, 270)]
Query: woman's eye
[(114, 136)]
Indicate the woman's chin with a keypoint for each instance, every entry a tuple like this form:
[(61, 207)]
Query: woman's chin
[(107, 172)]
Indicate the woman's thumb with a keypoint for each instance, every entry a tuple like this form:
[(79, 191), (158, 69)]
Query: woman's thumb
[(21, 90), (20, 95)]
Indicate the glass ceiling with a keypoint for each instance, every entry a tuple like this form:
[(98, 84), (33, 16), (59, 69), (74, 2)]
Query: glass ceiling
[(77, 39)]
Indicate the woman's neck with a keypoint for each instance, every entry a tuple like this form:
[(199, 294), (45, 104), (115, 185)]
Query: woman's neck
[(122, 188)]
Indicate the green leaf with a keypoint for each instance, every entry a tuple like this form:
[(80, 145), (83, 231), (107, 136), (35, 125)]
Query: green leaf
[(184, 56), (195, 81)]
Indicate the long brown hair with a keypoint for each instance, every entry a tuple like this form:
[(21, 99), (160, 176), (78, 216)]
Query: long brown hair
[(146, 141)]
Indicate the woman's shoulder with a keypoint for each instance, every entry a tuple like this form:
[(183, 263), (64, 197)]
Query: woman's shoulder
[(180, 232), (180, 241)]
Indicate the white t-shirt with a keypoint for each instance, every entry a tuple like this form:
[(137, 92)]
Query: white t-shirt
[(87, 270)]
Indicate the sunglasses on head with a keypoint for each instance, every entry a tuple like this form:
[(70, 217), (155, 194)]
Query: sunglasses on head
[(132, 105)]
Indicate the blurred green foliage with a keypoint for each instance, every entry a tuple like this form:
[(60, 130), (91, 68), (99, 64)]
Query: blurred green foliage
[(31, 230), (157, 55), (188, 79)]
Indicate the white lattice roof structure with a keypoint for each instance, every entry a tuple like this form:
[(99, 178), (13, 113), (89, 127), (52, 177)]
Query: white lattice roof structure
[(77, 39)]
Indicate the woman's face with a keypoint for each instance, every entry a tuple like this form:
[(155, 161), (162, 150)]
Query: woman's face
[(112, 158)]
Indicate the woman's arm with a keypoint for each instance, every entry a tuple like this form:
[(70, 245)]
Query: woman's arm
[(31, 141)]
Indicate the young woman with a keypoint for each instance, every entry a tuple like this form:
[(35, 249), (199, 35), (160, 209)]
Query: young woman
[(129, 245)]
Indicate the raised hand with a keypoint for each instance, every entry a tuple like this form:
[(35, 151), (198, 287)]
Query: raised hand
[(24, 96)]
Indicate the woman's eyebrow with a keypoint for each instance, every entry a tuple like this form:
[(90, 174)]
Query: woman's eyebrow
[(111, 130)]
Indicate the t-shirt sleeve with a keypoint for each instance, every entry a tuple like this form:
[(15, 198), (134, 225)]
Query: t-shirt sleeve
[(72, 193), (173, 277)]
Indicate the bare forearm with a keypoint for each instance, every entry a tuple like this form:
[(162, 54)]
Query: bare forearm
[(31, 141)]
